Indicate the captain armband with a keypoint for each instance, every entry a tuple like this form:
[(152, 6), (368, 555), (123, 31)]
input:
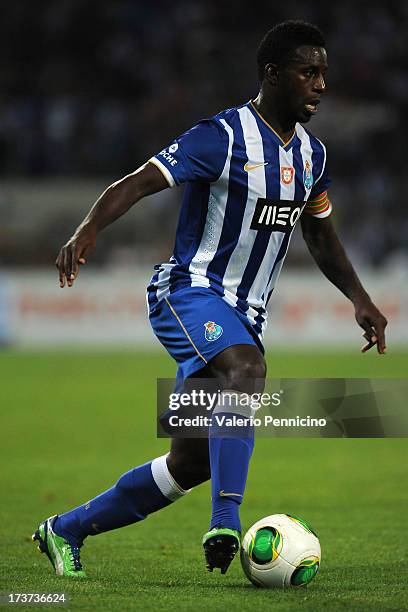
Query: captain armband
[(319, 207)]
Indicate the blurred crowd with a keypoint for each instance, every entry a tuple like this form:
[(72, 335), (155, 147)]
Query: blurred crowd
[(92, 89)]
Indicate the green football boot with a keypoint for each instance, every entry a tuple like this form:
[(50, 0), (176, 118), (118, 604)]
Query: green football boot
[(220, 547), (64, 556)]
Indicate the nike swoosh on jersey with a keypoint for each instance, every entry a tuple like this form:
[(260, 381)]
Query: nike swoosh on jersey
[(223, 494), (248, 167)]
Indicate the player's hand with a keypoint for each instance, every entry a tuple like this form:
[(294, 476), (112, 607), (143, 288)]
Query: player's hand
[(74, 253), (374, 323)]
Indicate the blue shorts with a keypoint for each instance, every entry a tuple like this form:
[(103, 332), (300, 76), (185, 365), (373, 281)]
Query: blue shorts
[(195, 324)]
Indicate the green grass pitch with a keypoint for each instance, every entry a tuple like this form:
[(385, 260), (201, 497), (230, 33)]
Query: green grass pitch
[(72, 422)]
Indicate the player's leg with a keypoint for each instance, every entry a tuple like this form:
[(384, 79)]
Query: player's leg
[(137, 493), (151, 486), (206, 335), (188, 461), (240, 371)]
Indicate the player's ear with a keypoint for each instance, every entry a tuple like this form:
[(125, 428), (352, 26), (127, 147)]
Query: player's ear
[(271, 74)]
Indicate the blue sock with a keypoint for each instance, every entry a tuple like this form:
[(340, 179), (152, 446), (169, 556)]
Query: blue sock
[(136, 494), (230, 451)]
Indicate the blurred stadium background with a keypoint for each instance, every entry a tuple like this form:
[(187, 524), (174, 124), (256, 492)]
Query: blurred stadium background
[(91, 90)]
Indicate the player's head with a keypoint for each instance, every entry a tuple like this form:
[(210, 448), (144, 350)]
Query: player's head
[(292, 62)]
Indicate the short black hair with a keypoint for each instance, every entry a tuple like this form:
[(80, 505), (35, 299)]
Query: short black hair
[(278, 44)]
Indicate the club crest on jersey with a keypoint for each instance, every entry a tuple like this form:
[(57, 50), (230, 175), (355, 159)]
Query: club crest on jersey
[(287, 174), (212, 331), (307, 175)]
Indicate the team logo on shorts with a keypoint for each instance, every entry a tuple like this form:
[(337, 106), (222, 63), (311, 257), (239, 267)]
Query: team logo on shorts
[(287, 174), (212, 331), (307, 175)]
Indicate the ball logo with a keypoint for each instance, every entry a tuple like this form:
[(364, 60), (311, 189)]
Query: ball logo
[(276, 215), (307, 175), (287, 174), (212, 331)]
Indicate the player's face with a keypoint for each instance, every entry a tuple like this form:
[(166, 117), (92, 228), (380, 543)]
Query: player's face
[(301, 83)]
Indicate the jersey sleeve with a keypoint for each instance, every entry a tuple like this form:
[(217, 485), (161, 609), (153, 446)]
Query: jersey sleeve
[(197, 155), (318, 204)]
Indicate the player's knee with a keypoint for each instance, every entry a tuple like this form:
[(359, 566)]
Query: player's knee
[(247, 375), (187, 470), (125, 484), (198, 473)]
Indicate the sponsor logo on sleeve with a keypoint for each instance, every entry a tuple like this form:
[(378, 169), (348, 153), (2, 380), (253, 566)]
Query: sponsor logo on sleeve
[(167, 154)]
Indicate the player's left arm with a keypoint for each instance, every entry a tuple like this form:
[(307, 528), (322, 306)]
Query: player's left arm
[(329, 254)]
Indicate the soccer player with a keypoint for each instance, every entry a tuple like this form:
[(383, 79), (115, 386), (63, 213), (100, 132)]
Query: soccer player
[(251, 173)]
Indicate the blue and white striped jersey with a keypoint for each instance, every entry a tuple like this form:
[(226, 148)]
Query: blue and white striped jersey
[(245, 191)]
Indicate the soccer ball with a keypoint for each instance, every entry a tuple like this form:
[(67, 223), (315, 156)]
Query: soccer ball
[(280, 551)]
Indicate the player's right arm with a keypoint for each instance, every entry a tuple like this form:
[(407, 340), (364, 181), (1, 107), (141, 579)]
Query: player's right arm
[(112, 204), (198, 154)]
